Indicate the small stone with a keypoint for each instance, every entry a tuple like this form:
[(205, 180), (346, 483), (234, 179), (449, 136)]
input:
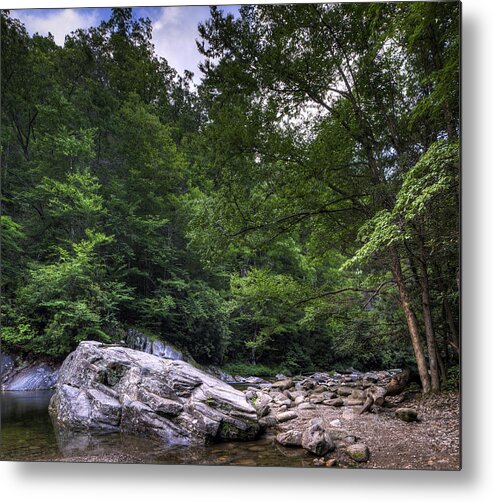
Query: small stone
[(371, 377), (261, 404), (286, 416), (335, 423), (358, 452), (332, 462), (283, 384), (344, 391), (288, 395), (330, 395), (309, 384), (337, 402), (289, 438), (407, 414), (306, 406), (357, 394)]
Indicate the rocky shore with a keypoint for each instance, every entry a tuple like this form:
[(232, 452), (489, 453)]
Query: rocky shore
[(115, 388)]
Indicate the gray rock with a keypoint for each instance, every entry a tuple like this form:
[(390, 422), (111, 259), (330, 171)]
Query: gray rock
[(139, 341), (283, 384), (337, 402), (306, 406), (254, 380), (261, 404), (268, 421), (286, 416), (317, 398), (309, 384), (298, 393), (357, 394), (329, 395), (281, 400), (344, 391), (316, 439), (111, 388), (298, 400), (371, 377), (288, 395), (250, 394), (289, 438), (7, 363), (320, 377), (407, 414), (350, 439), (359, 452)]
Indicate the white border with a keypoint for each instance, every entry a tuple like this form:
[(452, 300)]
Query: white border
[(89, 482)]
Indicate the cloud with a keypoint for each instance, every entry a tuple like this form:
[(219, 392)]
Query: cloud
[(174, 34), (174, 28), (58, 22)]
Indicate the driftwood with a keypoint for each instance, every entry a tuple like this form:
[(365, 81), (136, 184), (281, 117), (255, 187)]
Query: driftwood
[(376, 395), (398, 382)]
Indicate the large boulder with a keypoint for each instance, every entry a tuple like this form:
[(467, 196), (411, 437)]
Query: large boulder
[(316, 439), (112, 388)]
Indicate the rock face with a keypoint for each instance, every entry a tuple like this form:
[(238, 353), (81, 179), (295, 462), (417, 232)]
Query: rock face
[(112, 388), (35, 376), (139, 341)]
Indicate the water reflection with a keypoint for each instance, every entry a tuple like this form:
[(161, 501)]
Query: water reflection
[(27, 433)]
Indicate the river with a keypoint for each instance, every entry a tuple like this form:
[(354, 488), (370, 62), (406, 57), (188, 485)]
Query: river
[(27, 434)]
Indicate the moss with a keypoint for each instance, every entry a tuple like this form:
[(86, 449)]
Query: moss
[(210, 402)]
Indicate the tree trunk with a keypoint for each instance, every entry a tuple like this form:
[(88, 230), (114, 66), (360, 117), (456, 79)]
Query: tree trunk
[(443, 370), (411, 320), (454, 342), (429, 331), (398, 382)]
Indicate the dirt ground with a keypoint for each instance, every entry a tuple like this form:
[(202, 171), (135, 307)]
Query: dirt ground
[(433, 442)]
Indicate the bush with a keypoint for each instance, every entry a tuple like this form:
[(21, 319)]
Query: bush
[(453, 378)]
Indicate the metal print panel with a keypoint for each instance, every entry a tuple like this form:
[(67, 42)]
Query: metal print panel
[(230, 235)]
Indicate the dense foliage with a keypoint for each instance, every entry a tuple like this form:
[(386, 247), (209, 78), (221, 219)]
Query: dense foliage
[(298, 210)]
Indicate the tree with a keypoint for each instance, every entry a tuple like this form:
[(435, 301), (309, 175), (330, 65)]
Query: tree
[(290, 76)]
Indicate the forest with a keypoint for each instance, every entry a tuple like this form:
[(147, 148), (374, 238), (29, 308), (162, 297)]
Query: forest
[(297, 210)]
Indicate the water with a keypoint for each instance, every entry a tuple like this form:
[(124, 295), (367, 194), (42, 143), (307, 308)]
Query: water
[(27, 434)]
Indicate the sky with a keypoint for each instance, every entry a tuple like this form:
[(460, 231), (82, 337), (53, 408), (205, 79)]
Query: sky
[(174, 28)]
